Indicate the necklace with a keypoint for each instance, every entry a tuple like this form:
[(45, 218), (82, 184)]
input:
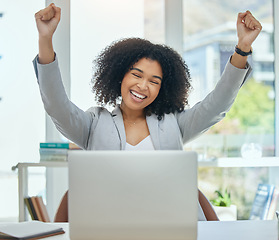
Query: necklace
[(132, 122)]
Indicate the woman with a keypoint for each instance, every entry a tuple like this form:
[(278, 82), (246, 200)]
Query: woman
[(152, 84)]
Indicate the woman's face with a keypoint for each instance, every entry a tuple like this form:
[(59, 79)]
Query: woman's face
[(141, 84)]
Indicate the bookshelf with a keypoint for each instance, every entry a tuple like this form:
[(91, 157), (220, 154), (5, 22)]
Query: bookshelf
[(220, 162), (23, 182)]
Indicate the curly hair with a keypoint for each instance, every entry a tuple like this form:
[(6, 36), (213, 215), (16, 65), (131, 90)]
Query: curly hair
[(116, 60)]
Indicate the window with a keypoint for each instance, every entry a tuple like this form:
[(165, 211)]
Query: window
[(209, 40), (154, 21)]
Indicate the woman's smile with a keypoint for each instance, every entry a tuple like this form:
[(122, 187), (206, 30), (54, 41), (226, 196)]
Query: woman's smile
[(137, 96)]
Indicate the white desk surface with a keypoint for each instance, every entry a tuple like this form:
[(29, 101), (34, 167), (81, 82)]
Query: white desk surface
[(223, 230)]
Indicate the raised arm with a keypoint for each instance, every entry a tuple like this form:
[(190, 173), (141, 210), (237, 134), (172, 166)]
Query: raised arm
[(70, 120), (47, 21), (248, 29), (213, 108)]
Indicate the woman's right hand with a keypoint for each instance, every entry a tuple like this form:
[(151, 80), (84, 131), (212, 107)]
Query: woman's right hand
[(47, 20)]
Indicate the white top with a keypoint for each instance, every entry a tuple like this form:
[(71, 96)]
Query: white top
[(145, 144)]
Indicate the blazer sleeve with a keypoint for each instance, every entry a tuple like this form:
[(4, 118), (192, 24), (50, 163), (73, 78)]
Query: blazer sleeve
[(70, 120), (196, 120)]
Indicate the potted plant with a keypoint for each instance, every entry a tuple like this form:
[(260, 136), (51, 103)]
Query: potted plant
[(223, 206)]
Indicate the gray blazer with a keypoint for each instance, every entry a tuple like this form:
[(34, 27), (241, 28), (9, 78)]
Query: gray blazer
[(99, 129)]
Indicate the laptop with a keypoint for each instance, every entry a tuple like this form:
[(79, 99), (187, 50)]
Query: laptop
[(126, 195)]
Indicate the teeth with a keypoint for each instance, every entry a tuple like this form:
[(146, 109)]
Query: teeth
[(138, 95)]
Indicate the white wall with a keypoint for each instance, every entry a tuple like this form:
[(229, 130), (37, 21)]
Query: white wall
[(22, 117)]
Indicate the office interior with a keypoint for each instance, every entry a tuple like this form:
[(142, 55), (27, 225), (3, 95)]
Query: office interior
[(202, 32)]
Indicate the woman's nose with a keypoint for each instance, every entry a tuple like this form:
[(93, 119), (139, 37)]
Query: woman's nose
[(142, 85)]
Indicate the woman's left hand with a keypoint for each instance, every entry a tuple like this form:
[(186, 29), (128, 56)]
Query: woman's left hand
[(248, 28)]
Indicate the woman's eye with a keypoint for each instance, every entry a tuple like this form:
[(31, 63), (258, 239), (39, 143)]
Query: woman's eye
[(154, 82), (136, 75)]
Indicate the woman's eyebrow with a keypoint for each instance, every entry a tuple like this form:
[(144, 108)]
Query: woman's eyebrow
[(133, 68), (157, 77)]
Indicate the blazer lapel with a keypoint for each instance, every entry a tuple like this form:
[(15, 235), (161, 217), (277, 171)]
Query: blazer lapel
[(118, 120), (153, 126), (152, 122)]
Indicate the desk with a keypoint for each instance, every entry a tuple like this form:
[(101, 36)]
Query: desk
[(223, 230)]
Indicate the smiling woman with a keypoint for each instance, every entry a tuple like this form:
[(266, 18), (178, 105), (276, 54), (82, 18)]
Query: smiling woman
[(151, 81)]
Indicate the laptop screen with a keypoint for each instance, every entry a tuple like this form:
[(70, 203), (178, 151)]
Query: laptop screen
[(133, 195)]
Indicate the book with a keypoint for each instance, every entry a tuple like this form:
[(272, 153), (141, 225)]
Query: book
[(31, 209), (36, 208), (262, 202), (53, 157), (42, 209), (272, 209), (54, 145), (55, 151), (29, 230), (66, 145)]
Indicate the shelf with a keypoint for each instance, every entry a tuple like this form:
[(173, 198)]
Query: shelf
[(40, 164), (217, 162), (220, 162), (240, 162)]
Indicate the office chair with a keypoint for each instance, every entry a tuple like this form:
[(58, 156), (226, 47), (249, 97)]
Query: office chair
[(62, 211)]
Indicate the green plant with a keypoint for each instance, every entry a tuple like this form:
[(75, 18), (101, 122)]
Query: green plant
[(222, 200)]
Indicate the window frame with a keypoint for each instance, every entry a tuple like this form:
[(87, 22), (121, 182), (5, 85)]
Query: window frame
[(276, 71)]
